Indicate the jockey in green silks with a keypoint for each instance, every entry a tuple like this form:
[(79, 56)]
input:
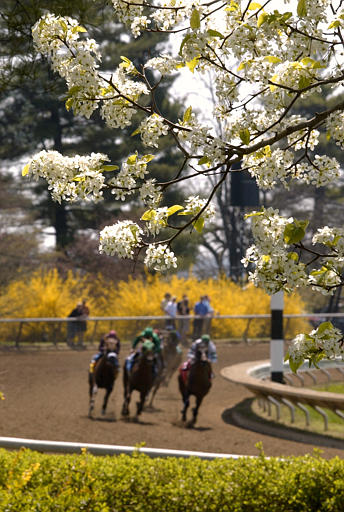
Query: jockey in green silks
[(147, 334)]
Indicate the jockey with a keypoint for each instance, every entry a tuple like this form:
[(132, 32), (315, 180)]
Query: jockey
[(109, 344), (147, 334), (204, 341), (210, 347)]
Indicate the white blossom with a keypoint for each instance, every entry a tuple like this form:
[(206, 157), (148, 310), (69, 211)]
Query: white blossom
[(160, 257)]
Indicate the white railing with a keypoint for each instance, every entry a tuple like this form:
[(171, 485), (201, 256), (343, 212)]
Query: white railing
[(56, 335)]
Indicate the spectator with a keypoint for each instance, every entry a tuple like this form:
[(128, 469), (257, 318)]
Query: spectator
[(183, 309), (163, 304), (208, 318), (171, 311), (77, 327), (201, 311)]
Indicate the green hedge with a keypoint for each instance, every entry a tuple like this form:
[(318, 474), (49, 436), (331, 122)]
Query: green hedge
[(31, 481)]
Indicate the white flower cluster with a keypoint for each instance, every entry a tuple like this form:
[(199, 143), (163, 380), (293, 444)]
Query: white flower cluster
[(326, 279), (70, 178), (194, 204), (157, 221), (150, 193), (160, 257), (120, 239), (303, 139), (323, 171), (335, 127), (331, 237), (125, 182), (151, 129), (75, 60), (326, 340), (166, 64), (269, 166), (275, 267)]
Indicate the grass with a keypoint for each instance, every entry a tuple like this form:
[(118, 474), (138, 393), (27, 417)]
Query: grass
[(335, 423)]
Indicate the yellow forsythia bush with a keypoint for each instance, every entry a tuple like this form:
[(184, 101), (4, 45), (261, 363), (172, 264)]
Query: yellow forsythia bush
[(138, 297), (47, 294)]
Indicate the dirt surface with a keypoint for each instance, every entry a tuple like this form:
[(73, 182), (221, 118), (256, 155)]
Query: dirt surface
[(47, 398)]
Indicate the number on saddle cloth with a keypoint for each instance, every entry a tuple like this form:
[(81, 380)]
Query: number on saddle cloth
[(112, 358)]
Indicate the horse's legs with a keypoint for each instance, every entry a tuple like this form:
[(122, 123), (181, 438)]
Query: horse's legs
[(186, 400), (140, 404), (195, 410), (153, 393), (93, 392), (106, 398)]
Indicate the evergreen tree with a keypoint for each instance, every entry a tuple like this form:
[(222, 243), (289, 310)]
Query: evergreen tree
[(33, 117)]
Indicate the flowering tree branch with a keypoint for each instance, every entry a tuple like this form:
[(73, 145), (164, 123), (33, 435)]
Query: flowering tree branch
[(266, 63)]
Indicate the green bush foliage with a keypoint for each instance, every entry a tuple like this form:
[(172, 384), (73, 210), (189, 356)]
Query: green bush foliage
[(31, 481)]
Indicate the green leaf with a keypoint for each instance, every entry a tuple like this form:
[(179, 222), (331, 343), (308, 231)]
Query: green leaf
[(334, 24), (195, 21), (187, 114), (253, 214), (109, 168), (69, 104), (78, 29), (73, 90), (148, 158), (204, 160), (215, 33), (272, 58), (253, 6), (199, 224), (132, 159), (301, 8), (304, 82), (295, 231), (295, 365), (26, 170), (192, 64), (185, 40), (148, 215), (173, 209), (245, 136), (262, 18), (126, 61), (324, 326)]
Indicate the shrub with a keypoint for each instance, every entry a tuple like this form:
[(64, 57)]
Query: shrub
[(47, 294), (30, 481)]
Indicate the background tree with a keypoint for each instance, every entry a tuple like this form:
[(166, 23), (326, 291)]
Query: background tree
[(28, 86)]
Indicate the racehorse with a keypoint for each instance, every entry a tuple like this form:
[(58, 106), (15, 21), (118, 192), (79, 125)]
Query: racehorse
[(103, 376), (197, 383), (172, 359), (139, 378)]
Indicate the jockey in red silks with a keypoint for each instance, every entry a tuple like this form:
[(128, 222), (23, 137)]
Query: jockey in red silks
[(203, 341)]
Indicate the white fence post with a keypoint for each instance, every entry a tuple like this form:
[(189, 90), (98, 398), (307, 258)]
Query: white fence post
[(277, 338)]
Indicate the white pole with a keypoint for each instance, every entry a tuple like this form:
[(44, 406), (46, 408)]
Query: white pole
[(277, 337)]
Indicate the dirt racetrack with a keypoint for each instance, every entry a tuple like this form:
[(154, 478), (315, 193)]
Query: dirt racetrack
[(47, 398)]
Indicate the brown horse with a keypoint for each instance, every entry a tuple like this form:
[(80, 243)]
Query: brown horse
[(172, 359), (103, 376), (139, 378), (197, 383)]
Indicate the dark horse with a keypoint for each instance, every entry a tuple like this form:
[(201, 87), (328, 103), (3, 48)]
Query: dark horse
[(103, 376), (197, 383), (172, 359), (139, 378)]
